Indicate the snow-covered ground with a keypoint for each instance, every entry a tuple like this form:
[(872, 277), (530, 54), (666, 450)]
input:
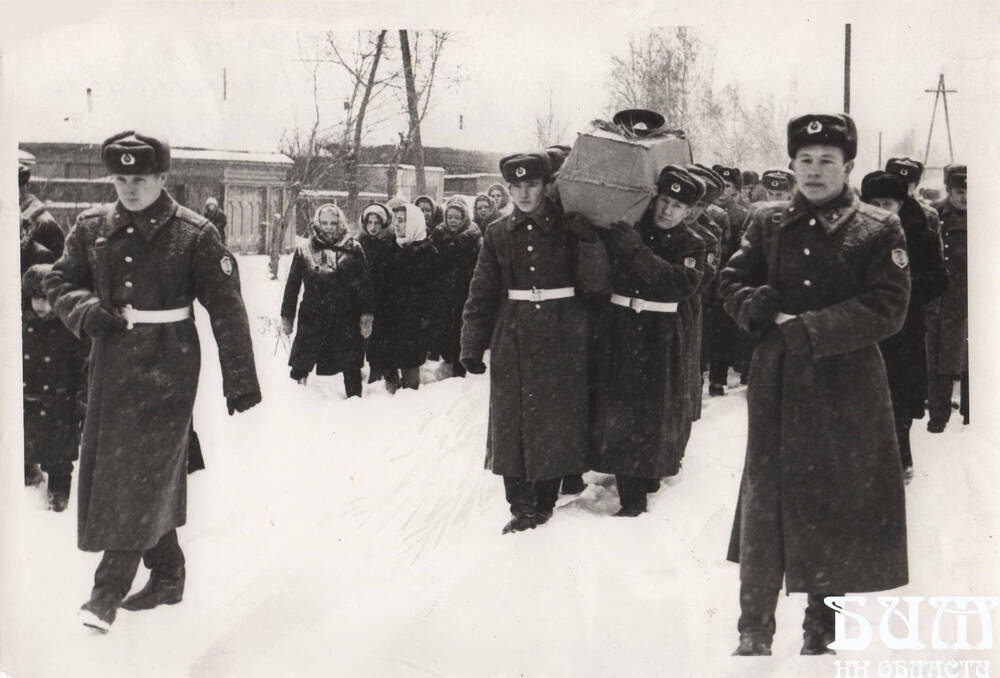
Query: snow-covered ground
[(362, 538)]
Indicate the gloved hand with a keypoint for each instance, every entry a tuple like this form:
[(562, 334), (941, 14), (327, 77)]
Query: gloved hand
[(241, 402), (366, 325), (473, 365), (580, 226), (763, 304), (286, 325), (622, 239), (97, 322)]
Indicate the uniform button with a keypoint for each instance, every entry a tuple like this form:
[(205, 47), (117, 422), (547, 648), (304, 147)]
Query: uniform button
[(47, 359), (42, 413), (538, 305), (31, 329), (807, 283), (130, 230), (26, 356), (152, 221), (806, 252), (531, 268), (530, 227), (128, 260), (45, 387), (531, 248), (128, 283), (812, 222)]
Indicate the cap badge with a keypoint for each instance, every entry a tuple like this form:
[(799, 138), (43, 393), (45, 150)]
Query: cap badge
[(904, 172), (815, 127), (128, 159), (690, 262), (899, 258), (774, 183), (676, 188), (520, 172), (226, 264)]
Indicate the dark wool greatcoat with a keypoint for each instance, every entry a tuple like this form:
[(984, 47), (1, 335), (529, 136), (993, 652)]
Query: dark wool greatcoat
[(948, 322), (822, 488), (42, 240), (904, 353), (55, 383), (459, 252), (539, 415), (336, 294), (711, 233), (142, 381), (642, 423), (406, 286)]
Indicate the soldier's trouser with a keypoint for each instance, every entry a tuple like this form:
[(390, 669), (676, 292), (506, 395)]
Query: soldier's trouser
[(903, 438), (352, 381), (963, 408), (118, 568), (61, 469), (939, 390), (531, 497), (632, 491), (757, 604)]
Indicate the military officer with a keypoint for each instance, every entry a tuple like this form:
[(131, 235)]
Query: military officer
[(912, 170), (819, 280), (948, 324), (127, 279), (751, 181), (41, 238), (778, 184)]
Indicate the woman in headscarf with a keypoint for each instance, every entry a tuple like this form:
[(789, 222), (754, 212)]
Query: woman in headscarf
[(458, 242), (335, 315), (406, 284), (433, 214), (501, 199), (485, 211), (376, 230)]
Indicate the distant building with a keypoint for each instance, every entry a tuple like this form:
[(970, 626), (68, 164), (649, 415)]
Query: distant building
[(470, 184)]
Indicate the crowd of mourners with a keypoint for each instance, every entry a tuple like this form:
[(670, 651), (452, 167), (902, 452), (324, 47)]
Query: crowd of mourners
[(843, 309)]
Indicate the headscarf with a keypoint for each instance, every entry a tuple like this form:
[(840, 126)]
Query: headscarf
[(437, 214), (340, 216), (383, 213), (492, 216), (416, 229), (505, 202), (462, 205)]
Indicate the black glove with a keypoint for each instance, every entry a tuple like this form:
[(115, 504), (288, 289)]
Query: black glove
[(241, 402), (763, 304), (580, 226), (97, 322), (622, 239), (473, 365)]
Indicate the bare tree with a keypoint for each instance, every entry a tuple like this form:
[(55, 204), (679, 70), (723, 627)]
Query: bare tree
[(549, 130)]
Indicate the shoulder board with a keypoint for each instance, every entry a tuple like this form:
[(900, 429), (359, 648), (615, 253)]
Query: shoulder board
[(876, 213), (189, 216)]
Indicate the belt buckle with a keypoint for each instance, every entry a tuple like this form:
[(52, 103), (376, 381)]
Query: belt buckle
[(536, 294), (127, 314), (636, 304)]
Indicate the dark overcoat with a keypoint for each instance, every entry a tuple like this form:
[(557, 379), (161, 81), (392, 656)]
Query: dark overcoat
[(55, 383), (642, 423), (218, 217), (142, 381), (948, 322), (822, 488), (459, 252), (335, 294), (904, 353), (42, 240), (711, 233), (405, 281), (539, 414)]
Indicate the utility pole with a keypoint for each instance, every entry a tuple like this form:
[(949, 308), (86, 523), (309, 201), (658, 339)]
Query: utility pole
[(847, 68), (941, 92)]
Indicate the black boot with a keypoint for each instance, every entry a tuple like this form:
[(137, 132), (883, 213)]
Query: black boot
[(652, 485), (32, 475), (753, 645), (163, 588), (818, 626), (520, 523), (936, 425), (716, 390), (59, 491), (756, 624), (99, 612), (631, 496)]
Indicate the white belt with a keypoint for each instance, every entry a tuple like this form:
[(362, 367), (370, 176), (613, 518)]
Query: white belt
[(134, 316), (536, 295), (639, 305)]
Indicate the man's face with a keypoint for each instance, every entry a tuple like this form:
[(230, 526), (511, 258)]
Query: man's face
[(887, 204), (669, 212), (821, 172), (41, 307), (958, 197), (778, 195), (428, 211), (729, 191), (138, 191), (528, 195), (482, 209)]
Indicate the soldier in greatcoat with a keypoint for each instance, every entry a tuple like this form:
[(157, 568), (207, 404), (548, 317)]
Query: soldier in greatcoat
[(525, 305), (904, 354), (948, 322), (819, 280), (642, 424), (912, 171), (127, 279), (42, 240)]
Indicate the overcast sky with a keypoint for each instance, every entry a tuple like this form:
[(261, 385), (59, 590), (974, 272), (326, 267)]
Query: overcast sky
[(158, 66)]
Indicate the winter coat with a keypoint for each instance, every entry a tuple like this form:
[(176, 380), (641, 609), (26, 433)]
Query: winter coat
[(336, 294), (218, 217), (710, 232), (42, 240), (822, 488), (904, 353), (55, 384), (459, 252), (642, 422), (737, 213), (482, 223), (948, 322), (437, 213), (405, 282), (142, 381), (539, 414)]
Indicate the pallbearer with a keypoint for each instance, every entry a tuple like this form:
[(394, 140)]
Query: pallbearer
[(819, 280), (778, 184), (642, 423), (129, 275), (525, 305)]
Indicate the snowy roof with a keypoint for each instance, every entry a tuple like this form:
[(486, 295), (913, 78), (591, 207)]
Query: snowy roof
[(25, 158), (427, 168), (472, 176), (231, 156)]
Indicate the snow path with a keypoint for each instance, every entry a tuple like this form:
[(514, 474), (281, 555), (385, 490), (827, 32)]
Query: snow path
[(362, 538)]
